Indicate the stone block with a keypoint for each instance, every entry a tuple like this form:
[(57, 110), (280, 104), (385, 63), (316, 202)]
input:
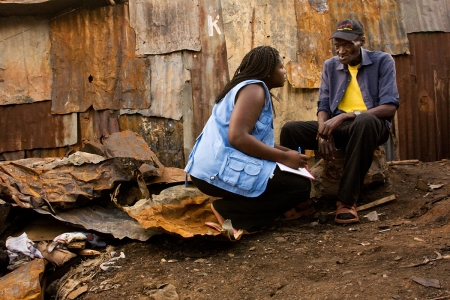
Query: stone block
[(329, 173)]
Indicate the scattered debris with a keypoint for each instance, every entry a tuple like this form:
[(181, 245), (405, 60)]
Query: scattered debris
[(421, 185), (73, 295), (57, 257), (109, 264), (403, 162), (163, 292), (372, 216), (21, 250), (425, 261), (105, 220), (87, 252), (435, 186), (66, 238), (424, 186), (79, 278), (427, 282)]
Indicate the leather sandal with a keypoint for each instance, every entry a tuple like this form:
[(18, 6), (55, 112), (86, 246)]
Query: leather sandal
[(346, 213)]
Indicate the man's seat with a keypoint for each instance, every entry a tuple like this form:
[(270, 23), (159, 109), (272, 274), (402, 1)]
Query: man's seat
[(328, 174)]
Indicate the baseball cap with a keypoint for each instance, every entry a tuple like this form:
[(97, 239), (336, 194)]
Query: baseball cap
[(348, 30)]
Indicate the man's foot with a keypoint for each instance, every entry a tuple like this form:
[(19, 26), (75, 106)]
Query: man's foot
[(346, 213)]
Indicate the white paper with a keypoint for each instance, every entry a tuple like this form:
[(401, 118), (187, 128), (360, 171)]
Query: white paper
[(300, 171)]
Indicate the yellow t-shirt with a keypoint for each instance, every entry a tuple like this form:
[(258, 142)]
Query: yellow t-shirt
[(352, 99)]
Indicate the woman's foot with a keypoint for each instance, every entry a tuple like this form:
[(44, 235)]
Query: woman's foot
[(228, 227), (218, 216), (303, 209)]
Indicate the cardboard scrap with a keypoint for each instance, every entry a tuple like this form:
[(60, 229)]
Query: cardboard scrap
[(73, 295), (58, 256)]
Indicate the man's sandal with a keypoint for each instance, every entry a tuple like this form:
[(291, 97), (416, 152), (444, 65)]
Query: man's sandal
[(346, 213)]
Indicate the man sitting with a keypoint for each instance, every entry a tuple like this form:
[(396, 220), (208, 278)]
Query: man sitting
[(358, 97)]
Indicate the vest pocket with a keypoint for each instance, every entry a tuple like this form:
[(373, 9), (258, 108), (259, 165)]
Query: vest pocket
[(240, 171)]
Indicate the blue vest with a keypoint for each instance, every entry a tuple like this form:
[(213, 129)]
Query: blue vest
[(214, 160)]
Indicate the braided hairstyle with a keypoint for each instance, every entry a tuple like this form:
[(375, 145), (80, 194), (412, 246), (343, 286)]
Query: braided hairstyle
[(259, 63)]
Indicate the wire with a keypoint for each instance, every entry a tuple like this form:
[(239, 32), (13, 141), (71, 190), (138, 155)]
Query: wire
[(23, 31)]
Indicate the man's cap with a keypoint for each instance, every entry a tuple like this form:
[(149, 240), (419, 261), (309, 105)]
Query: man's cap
[(348, 30)]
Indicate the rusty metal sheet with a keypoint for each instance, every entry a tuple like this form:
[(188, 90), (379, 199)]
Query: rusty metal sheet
[(130, 144), (313, 22), (170, 87), (110, 221), (51, 152), (423, 119), (24, 282), (178, 209), (209, 68), (426, 15), (165, 26), (47, 7), (96, 125), (383, 27), (63, 183), (39, 152), (30, 126), (93, 54), (248, 24), (25, 71), (164, 137)]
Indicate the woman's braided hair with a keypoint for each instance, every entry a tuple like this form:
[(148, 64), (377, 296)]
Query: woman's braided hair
[(259, 63)]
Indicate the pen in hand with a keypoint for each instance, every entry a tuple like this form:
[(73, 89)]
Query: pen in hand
[(299, 151)]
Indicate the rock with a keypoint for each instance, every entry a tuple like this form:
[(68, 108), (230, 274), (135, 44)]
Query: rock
[(328, 174)]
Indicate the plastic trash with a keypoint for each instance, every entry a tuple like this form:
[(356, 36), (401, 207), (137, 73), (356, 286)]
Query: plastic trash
[(65, 238), (21, 249)]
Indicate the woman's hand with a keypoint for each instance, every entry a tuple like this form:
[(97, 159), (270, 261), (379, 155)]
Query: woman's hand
[(295, 159)]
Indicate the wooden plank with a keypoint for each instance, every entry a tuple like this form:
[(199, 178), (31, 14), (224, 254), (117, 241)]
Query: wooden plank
[(372, 204)]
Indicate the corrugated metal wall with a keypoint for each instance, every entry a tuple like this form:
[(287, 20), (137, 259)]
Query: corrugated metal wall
[(423, 126), (423, 119), (22, 127), (155, 67), (25, 70)]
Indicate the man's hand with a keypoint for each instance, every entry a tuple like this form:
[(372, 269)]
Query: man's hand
[(327, 148), (327, 127)]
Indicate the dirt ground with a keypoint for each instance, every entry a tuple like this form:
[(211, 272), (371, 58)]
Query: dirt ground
[(404, 255)]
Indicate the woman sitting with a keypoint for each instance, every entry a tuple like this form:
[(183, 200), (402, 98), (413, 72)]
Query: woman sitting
[(235, 155)]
